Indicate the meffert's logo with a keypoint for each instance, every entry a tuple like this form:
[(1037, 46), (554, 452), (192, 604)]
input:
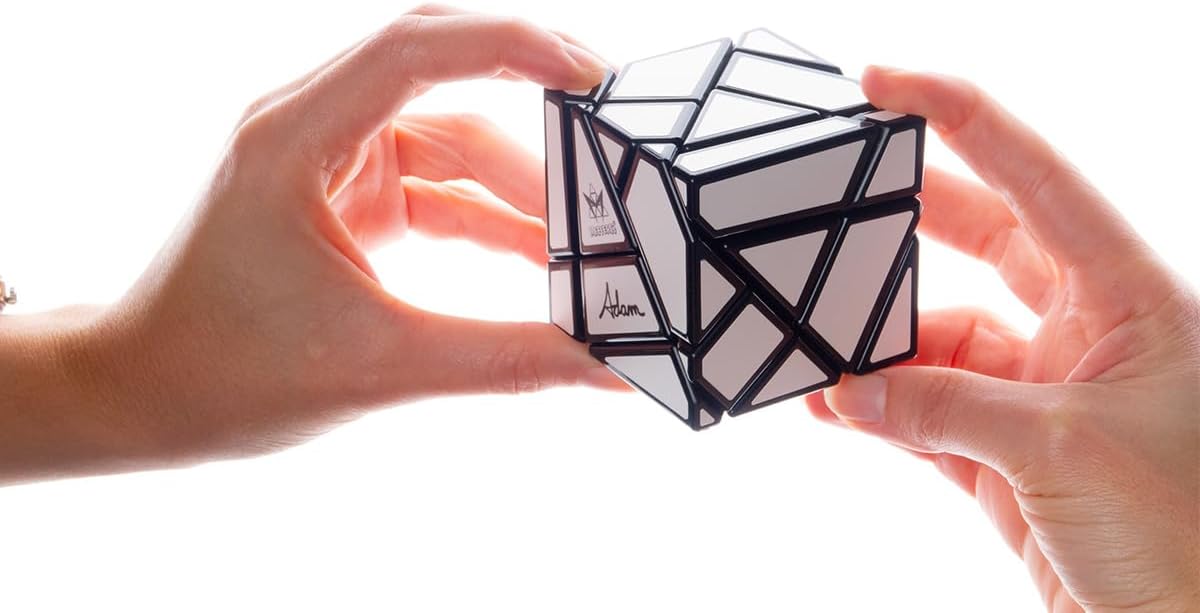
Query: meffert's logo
[(601, 224), (612, 305)]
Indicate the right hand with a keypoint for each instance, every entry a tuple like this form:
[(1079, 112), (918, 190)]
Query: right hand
[(1081, 444)]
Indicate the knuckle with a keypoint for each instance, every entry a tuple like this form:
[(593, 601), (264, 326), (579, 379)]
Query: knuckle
[(518, 29), (254, 134), (473, 123), (429, 8)]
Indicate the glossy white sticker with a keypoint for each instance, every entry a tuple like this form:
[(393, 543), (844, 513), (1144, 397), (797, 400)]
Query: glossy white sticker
[(598, 223), (787, 264), (725, 112), (556, 197), (715, 293), (896, 336), (657, 228), (796, 373), (792, 83), (746, 149), (740, 351), (562, 305), (763, 40), (897, 167), (679, 74), (807, 182), (656, 375), (856, 279), (615, 301), (648, 119)]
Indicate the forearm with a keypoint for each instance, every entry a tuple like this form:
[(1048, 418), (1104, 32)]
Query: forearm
[(56, 419)]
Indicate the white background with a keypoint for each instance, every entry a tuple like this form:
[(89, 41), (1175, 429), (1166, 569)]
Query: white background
[(110, 119)]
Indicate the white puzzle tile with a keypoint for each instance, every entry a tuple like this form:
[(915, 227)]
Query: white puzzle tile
[(715, 292), (656, 375), (728, 112), (562, 304), (787, 264), (679, 74), (763, 40), (856, 279), (740, 351), (825, 176), (615, 301), (614, 153), (664, 247), (897, 168), (598, 224), (647, 120), (749, 149), (796, 373), (896, 336), (792, 83), (556, 197)]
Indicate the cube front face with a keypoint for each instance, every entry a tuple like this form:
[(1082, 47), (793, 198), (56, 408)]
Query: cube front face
[(731, 225)]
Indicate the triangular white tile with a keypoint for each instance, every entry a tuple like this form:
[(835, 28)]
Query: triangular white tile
[(662, 150), (715, 293), (796, 373), (614, 153), (653, 218), (598, 224), (897, 167), (763, 40), (725, 112), (896, 336), (786, 264), (706, 418), (656, 375)]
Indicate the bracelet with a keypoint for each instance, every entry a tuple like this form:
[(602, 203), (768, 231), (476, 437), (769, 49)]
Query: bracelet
[(8, 295)]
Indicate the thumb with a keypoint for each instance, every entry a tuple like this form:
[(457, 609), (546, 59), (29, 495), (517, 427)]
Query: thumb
[(992, 421), (466, 356)]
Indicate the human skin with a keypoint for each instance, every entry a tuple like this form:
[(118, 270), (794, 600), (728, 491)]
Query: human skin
[(261, 324), (1081, 444)]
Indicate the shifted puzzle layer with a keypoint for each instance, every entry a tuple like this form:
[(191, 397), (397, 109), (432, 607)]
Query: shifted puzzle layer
[(733, 225)]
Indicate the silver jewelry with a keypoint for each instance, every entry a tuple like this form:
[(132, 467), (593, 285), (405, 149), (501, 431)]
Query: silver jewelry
[(8, 295)]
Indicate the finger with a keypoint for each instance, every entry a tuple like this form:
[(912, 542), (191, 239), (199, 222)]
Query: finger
[(1063, 212), (356, 97), (452, 211), (464, 146), (965, 338), (430, 10), (975, 220), (947, 410), (468, 356)]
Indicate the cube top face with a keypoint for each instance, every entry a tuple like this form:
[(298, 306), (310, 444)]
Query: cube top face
[(732, 224)]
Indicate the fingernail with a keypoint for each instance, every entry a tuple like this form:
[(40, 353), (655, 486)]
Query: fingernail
[(859, 399), (585, 59)]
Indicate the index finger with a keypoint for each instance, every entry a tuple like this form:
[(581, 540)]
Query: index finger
[(356, 97), (1065, 214)]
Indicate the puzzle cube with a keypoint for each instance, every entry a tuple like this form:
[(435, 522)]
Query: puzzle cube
[(731, 225)]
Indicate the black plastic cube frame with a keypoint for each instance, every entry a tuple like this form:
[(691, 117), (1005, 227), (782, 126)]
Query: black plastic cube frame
[(868, 133), (655, 308), (898, 263)]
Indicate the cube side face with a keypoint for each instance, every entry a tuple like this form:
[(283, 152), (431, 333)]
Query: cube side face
[(744, 238)]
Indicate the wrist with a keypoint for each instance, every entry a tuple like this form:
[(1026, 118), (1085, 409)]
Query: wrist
[(60, 414)]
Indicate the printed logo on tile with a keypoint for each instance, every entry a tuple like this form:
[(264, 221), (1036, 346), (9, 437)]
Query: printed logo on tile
[(600, 224)]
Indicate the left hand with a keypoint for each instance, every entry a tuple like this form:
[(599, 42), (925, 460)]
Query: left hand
[(261, 323)]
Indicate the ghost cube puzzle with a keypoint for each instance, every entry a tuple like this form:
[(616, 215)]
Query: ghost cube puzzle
[(732, 225)]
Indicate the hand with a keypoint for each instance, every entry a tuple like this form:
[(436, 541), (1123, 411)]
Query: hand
[(261, 323), (1082, 444)]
